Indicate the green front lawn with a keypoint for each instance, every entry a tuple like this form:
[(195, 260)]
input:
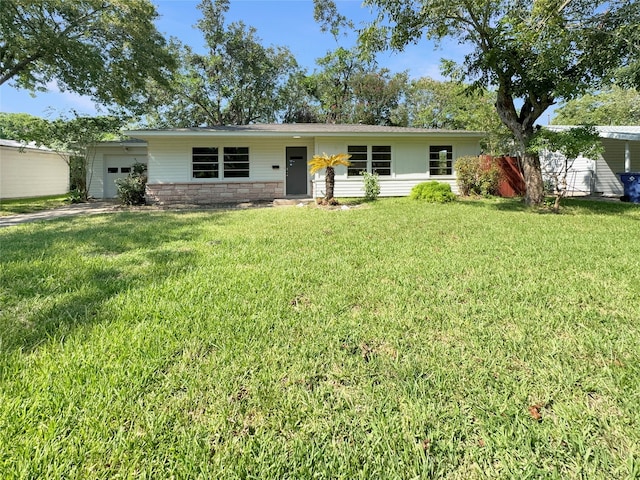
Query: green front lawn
[(12, 206), (397, 339)]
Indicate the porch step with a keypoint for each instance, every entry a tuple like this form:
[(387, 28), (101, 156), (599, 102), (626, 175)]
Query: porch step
[(283, 202)]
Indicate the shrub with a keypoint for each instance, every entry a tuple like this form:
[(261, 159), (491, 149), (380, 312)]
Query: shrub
[(433, 191), (131, 190), (478, 176), (371, 185), (75, 196)]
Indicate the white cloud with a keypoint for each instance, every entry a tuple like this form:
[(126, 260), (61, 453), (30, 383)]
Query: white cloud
[(70, 100)]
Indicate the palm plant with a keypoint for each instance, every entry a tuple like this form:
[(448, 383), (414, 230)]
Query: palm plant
[(329, 162)]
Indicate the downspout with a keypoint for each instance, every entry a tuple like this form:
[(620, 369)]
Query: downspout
[(627, 157)]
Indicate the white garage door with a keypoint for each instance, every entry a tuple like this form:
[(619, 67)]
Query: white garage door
[(118, 167)]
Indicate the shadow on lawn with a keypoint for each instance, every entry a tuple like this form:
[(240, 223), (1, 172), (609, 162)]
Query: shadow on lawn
[(45, 298), (585, 206)]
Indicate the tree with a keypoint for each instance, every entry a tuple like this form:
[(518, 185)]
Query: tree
[(378, 96), (349, 88), (105, 49), (328, 163), (72, 138), (565, 146), (454, 105), (614, 106), (534, 52), (334, 83), (15, 126), (299, 102), (237, 82)]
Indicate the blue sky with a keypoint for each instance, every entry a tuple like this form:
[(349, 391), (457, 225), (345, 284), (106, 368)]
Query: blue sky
[(287, 23)]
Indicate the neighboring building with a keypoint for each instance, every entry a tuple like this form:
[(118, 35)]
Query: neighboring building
[(31, 171), (268, 161), (109, 161), (601, 175)]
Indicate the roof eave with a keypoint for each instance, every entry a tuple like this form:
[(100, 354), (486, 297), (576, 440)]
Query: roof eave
[(144, 134)]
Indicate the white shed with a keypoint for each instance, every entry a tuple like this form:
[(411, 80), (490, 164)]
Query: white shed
[(601, 175), (31, 171)]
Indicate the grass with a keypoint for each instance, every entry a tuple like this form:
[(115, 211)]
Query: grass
[(12, 206), (397, 339)]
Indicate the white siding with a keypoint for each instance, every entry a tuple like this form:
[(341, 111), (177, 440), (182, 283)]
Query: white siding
[(170, 159), (32, 173), (602, 175), (388, 187), (409, 165), (95, 174), (580, 175), (98, 163), (612, 163)]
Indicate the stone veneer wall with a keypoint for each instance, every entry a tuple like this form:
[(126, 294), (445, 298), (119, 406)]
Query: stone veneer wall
[(211, 193)]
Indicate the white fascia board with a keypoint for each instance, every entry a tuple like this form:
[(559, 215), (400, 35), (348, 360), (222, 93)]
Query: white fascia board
[(143, 134), (614, 132), (621, 136)]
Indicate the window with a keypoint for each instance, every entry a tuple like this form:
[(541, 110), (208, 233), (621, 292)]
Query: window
[(205, 162), (236, 162), (378, 160), (358, 159), (441, 160), (381, 160), (125, 170), (112, 170)]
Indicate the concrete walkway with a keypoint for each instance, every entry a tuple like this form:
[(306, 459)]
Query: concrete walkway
[(90, 208)]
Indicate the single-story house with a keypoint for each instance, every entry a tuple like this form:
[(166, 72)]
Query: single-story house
[(601, 175), (269, 161), (27, 170)]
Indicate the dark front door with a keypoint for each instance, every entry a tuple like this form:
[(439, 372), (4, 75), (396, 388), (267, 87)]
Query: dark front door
[(296, 170)]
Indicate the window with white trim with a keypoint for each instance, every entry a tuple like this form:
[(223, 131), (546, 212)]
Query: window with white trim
[(372, 159), (204, 161), (358, 160), (236, 162), (440, 160)]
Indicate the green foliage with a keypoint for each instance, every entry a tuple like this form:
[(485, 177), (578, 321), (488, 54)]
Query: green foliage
[(237, 81), (349, 88), (105, 49), (534, 52), (131, 189), (615, 106), (76, 196), (73, 138), (328, 163), (433, 191), (573, 142), (16, 126), (378, 96), (570, 144), (456, 106), (371, 185), (478, 176)]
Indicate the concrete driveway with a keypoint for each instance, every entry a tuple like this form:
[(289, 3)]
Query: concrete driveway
[(89, 208)]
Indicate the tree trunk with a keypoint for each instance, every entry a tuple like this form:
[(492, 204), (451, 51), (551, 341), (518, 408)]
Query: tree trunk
[(533, 179), (522, 125), (330, 179)]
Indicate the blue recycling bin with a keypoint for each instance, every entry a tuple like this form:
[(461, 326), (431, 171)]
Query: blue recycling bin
[(631, 183)]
